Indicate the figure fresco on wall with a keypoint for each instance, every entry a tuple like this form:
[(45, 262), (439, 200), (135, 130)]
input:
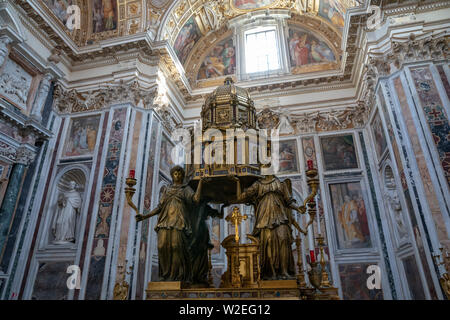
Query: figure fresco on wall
[(251, 4), (354, 283), (378, 134), (339, 152), (306, 49), (288, 157), (82, 136), (59, 8), (333, 11), (186, 39), (104, 15), (221, 61), (165, 158), (349, 210)]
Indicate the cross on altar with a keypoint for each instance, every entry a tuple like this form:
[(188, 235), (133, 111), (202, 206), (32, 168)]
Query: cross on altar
[(236, 218)]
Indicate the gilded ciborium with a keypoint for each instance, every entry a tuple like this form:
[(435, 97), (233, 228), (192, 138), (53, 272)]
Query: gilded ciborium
[(228, 143)]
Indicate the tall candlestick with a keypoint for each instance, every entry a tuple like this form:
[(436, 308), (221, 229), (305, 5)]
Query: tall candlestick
[(311, 240), (132, 174)]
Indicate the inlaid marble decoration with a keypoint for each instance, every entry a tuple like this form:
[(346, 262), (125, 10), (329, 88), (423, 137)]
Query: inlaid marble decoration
[(421, 163), (288, 157), (339, 152), (107, 194), (444, 80), (413, 277), (51, 281), (354, 282), (186, 39), (435, 114), (82, 136), (378, 135), (219, 62), (15, 84), (350, 216)]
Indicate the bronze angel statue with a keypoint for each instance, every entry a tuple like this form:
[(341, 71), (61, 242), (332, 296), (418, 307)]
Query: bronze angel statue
[(273, 203)]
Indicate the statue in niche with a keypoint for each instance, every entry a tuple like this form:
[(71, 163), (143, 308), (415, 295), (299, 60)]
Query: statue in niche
[(200, 242), (395, 209), (273, 203), (64, 222), (174, 227)]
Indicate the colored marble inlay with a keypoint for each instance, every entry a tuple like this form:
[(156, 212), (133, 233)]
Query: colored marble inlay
[(435, 114), (444, 80), (107, 193)]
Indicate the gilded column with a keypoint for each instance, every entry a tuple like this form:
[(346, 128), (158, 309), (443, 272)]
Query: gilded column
[(24, 157)]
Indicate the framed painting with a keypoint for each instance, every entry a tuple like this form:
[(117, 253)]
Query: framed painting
[(378, 136), (333, 11), (249, 5), (339, 152), (350, 215), (354, 282), (165, 162), (288, 157), (81, 138)]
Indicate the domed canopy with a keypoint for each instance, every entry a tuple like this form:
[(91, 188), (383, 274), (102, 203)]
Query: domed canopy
[(229, 106)]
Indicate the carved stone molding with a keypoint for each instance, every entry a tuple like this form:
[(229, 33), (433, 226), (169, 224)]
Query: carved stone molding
[(71, 101), (7, 151), (316, 121), (4, 50), (25, 156)]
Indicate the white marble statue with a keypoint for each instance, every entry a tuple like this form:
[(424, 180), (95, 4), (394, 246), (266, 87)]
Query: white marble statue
[(397, 213), (64, 222)]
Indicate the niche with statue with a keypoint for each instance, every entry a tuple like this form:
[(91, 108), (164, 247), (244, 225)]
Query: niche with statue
[(65, 208)]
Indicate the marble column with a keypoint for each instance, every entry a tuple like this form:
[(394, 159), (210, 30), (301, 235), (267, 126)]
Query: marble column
[(41, 96), (4, 50), (24, 157)]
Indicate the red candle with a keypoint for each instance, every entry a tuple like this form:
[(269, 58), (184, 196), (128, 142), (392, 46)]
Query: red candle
[(132, 173), (311, 254), (310, 165)]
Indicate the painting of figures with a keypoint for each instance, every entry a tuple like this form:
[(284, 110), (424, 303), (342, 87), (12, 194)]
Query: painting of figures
[(221, 61), (252, 4), (104, 15), (354, 282), (59, 8), (339, 152), (82, 137), (349, 212), (186, 39), (166, 163), (379, 137), (288, 157), (306, 49), (333, 11)]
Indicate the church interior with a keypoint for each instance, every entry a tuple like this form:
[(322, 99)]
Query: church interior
[(100, 199)]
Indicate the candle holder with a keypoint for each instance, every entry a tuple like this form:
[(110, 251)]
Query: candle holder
[(130, 191), (314, 275), (325, 282), (300, 275)]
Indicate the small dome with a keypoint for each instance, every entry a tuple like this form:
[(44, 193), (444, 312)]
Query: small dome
[(228, 106)]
